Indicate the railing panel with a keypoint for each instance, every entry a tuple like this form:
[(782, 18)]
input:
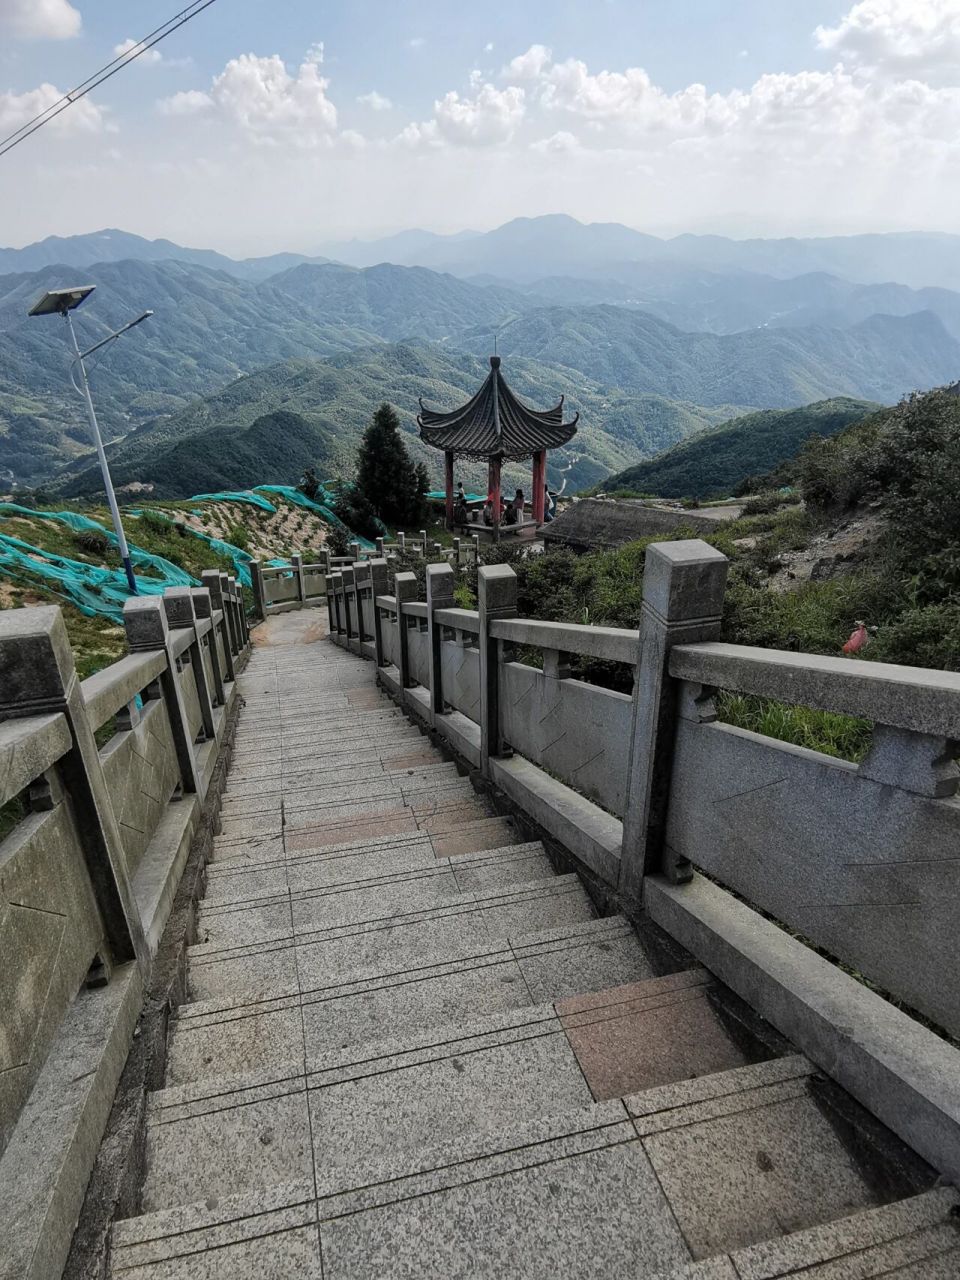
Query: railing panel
[(460, 678), (862, 868), (576, 731), (141, 772), (281, 589), (418, 647), (314, 582), (50, 932), (612, 643), (388, 632), (191, 698)]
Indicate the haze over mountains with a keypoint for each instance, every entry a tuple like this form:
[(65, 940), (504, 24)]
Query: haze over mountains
[(651, 339)]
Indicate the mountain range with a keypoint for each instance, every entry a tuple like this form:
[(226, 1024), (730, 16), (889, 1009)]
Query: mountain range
[(649, 339)]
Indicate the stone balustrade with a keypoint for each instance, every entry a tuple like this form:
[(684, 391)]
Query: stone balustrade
[(104, 782)]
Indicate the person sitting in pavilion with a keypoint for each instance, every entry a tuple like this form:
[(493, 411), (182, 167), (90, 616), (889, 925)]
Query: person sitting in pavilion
[(514, 512)]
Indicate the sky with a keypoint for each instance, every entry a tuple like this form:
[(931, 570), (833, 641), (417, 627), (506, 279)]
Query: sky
[(261, 127)]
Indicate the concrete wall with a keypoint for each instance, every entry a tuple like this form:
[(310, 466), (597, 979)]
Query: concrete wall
[(88, 873)]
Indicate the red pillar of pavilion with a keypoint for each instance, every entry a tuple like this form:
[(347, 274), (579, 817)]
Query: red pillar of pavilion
[(493, 489), (448, 485), (539, 484)]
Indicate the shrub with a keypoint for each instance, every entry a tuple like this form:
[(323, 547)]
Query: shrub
[(92, 541)]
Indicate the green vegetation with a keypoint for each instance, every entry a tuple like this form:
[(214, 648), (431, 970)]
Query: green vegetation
[(386, 475), (729, 459)]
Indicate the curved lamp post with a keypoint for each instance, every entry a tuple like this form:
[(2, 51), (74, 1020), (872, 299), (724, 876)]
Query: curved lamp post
[(62, 302)]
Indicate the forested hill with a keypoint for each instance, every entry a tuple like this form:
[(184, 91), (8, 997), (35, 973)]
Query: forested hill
[(881, 359), (716, 463), (334, 400)]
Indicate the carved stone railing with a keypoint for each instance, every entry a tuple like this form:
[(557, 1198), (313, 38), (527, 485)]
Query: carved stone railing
[(105, 781)]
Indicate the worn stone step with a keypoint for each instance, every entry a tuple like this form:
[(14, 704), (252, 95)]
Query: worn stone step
[(462, 924), (249, 796), (238, 1034), (275, 901), (405, 753), (917, 1238), (425, 1086), (637, 1187), (237, 882)]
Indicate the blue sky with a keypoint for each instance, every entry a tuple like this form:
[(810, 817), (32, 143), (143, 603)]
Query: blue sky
[(255, 130)]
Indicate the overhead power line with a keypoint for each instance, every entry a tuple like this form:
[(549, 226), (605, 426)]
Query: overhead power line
[(92, 82)]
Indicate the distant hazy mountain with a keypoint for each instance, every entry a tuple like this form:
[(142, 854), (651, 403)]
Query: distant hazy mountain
[(193, 450), (715, 462), (118, 246), (404, 248), (528, 249), (693, 298), (881, 359)]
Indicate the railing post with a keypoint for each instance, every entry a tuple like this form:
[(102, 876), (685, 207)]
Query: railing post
[(203, 609), (683, 589), (361, 580), (378, 587), (404, 589), (212, 579), (37, 677), (497, 598), (332, 581), (423, 543), (354, 551), (402, 542), (240, 613), (456, 552), (381, 551), (297, 563), (145, 622), (178, 606), (259, 595), (348, 578), (440, 584), (476, 548)]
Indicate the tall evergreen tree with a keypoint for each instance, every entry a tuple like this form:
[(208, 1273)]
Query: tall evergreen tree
[(386, 475)]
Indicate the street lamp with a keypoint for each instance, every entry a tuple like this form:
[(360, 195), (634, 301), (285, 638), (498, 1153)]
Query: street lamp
[(61, 302)]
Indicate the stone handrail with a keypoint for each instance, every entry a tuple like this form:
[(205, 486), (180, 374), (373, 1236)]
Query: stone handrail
[(107, 691), (28, 748), (92, 860), (903, 697), (414, 609), (615, 644), (466, 621)]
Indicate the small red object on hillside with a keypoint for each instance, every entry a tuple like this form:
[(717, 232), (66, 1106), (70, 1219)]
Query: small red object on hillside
[(858, 639)]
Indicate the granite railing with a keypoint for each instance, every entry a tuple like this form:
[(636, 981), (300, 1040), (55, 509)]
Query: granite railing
[(302, 584), (721, 834), (104, 782)]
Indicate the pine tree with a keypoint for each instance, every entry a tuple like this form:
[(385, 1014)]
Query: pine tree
[(386, 475)]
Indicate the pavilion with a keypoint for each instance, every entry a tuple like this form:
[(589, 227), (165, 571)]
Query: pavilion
[(496, 426)]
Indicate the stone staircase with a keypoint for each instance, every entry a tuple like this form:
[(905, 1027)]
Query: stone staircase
[(412, 1050)]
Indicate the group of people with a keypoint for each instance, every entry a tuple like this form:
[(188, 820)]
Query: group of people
[(509, 512)]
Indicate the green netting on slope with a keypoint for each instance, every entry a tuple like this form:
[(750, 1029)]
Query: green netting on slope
[(439, 495), (325, 509), (237, 495), (240, 559), (254, 498), (94, 589)]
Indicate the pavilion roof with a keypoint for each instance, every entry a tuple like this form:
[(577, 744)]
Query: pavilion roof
[(496, 423)]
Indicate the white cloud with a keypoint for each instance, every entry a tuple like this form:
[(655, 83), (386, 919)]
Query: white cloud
[(16, 109), (259, 96), (557, 143), (416, 42), (40, 19), (530, 65), (900, 38), (488, 47), (149, 56), (375, 101), (491, 116), (189, 102)]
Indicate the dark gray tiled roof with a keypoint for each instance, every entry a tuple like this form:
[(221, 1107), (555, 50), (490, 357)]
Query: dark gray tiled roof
[(495, 422)]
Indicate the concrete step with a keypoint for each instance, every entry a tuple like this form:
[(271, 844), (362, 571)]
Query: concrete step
[(645, 1186), (278, 901), (462, 925), (400, 754), (425, 1086), (237, 1034), (917, 1238), (331, 790), (247, 796)]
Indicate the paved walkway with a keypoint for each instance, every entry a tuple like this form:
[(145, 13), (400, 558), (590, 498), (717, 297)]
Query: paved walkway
[(412, 1050)]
